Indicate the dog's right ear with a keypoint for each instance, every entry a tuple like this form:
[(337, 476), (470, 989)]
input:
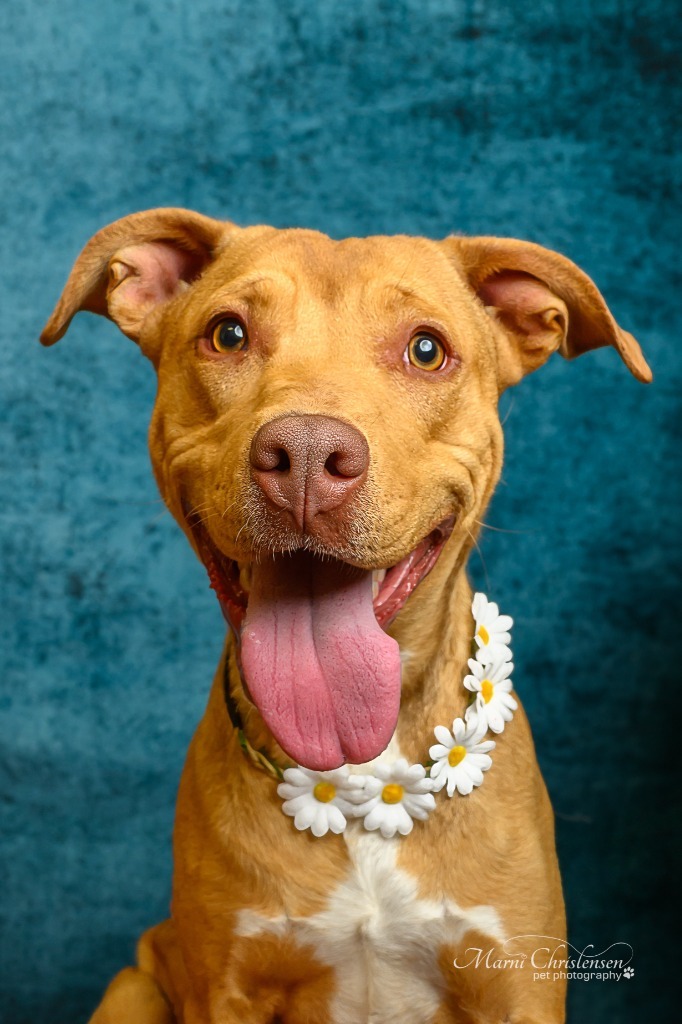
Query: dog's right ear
[(542, 303), (134, 264)]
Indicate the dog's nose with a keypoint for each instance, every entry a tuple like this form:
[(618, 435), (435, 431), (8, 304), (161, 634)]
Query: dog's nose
[(308, 464)]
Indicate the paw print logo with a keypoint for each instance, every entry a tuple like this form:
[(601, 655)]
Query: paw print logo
[(628, 972)]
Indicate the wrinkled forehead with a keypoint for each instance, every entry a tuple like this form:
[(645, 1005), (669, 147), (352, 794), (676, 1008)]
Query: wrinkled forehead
[(269, 267)]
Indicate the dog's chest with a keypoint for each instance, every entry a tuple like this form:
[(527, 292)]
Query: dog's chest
[(381, 939)]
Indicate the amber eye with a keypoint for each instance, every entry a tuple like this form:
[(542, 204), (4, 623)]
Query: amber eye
[(426, 352), (229, 335)]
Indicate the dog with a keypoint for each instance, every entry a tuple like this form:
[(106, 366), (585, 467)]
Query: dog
[(326, 434)]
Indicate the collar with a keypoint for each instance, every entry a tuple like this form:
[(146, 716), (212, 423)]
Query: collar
[(258, 757)]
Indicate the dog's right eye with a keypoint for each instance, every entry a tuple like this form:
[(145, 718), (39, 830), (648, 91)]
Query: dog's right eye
[(229, 335), (425, 352)]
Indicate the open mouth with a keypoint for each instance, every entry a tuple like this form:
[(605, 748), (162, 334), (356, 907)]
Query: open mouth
[(314, 654)]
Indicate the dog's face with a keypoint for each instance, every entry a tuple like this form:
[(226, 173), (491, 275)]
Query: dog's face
[(326, 429)]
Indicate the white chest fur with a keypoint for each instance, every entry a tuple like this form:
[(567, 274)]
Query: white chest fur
[(381, 939)]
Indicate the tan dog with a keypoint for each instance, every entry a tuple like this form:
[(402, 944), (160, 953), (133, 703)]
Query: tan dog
[(325, 410)]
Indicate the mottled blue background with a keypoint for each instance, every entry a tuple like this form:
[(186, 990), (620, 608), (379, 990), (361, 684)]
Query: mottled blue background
[(552, 121)]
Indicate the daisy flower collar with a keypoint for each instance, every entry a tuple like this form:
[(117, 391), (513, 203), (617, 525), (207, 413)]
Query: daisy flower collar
[(390, 797)]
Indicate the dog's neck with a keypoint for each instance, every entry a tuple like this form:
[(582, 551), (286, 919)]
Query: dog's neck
[(434, 632)]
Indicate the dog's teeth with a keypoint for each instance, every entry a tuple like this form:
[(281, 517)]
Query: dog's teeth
[(378, 576), (245, 577)]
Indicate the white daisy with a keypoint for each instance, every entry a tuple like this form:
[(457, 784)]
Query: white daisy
[(460, 758), (492, 631), (321, 801), (492, 686), (399, 793)]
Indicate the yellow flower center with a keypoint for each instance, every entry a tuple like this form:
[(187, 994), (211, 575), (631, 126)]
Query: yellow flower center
[(456, 755), (324, 792), (487, 690), (392, 794), (484, 634)]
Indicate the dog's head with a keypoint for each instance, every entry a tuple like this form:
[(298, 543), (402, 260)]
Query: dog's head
[(326, 429)]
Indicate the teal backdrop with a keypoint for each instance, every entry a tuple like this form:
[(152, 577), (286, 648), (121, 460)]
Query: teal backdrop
[(553, 121)]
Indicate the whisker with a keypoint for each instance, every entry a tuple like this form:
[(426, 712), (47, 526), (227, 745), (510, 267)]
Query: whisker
[(200, 520), (228, 507), (244, 526), (158, 516), (201, 507), (508, 413), (499, 529), (194, 516), (480, 555)]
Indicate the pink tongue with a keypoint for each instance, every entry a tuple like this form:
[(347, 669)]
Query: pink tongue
[(324, 675)]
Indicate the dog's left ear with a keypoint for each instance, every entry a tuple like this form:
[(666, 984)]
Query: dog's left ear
[(542, 302)]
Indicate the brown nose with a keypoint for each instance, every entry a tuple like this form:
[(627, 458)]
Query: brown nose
[(308, 465)]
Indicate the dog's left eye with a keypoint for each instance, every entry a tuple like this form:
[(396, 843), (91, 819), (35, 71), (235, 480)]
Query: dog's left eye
[(229, 335), (426, 352)]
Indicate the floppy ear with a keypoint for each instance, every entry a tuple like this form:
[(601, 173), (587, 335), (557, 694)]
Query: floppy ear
[(134, 264), (543, 303)]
